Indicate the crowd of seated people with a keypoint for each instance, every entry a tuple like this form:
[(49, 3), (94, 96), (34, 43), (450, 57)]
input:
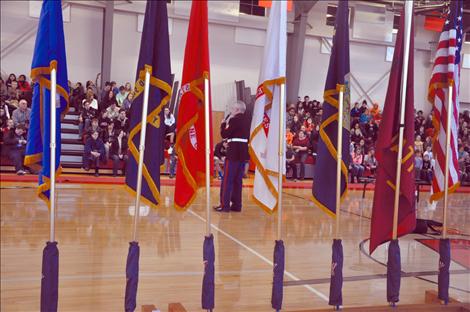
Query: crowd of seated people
[(15, 113), (364, 128), (463, 144), (304, 119), (105, 113), (302, 132), (104, 124), (103, 121)]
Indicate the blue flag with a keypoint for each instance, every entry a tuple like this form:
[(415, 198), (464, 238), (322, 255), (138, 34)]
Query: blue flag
[(49, 53), (324, 186), (154, 57)]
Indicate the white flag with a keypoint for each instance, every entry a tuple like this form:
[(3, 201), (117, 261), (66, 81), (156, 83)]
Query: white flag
[(265, 127)]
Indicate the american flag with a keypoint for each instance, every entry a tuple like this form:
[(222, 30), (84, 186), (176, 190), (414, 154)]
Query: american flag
[(445, 73)]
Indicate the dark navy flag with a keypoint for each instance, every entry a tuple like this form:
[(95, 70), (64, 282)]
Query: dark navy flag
[(50, 278), (207, 297), (324, 192), (393, 272), (278, 275), (154, 57), (444, 264), (336, 279), (132, 276)]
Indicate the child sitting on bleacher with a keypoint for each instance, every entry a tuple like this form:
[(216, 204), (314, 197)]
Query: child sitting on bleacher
[(94, 153), (15, 144), (86, 115), (426, 171)]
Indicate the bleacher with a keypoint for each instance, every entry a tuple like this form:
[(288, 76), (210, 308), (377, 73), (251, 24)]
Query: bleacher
[(72, 150)]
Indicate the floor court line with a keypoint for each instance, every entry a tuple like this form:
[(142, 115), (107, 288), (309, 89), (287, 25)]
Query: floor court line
[(371, 277), (123, 275), (290, 275)]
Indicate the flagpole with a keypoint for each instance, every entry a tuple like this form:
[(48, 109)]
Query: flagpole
[(143, 131), (282, 108), (208, 155), (339, 156), (404, 80), (53, 156), (446, 172)]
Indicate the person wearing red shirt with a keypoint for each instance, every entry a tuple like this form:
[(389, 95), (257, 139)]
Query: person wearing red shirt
[(357, 165), (23, 85)]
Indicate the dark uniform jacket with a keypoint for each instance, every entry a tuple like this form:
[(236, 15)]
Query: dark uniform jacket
[(114, 149), (88, 113), (12, 141), (97, 145), (121, 125), (238, 127)]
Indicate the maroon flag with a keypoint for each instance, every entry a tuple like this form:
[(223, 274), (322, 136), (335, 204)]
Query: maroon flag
[(387, 149)]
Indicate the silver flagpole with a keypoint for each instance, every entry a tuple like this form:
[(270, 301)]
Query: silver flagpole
[(143, 132), (404, 80), (339, 156), (282, 139), (53, 147), (446, 172), (208, 154)]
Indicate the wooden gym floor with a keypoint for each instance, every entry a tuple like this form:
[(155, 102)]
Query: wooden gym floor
[(94, 226)]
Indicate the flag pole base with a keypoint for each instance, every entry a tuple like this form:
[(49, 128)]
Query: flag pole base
[(444, 302), (431, 297)]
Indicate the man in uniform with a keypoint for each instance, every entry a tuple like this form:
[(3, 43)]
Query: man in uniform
[(235, 129)]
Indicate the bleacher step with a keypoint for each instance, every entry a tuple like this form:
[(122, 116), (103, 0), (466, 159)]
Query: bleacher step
[(69, 131), (71, 141), (72, 136), (73, 147), (70, 159), (72, 126), (72, 152), (71, 117)]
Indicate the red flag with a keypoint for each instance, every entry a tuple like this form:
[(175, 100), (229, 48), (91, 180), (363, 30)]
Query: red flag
[(190, 145), (387, 149)]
